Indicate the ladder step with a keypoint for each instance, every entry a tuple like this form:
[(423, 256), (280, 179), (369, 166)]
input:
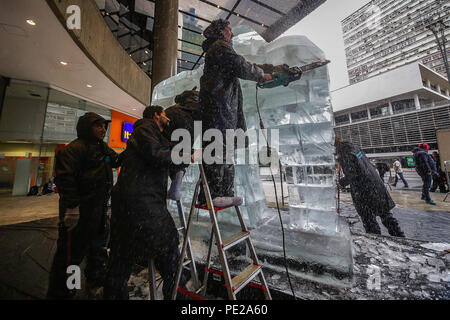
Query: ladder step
[(235, 239), (216, 209), (186, 262), (241, 280)]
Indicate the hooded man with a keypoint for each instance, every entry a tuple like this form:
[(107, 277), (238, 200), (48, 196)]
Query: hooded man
[(369, 193), (425, 167), (221, 101), (142, 227), (440, 179), (84, 179), (182, 116)]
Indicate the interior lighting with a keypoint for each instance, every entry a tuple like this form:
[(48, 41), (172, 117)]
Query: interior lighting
[(31, 22), (89, 85), (63, 63)]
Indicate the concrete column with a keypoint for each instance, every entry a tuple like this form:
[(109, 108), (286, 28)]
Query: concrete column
[(438, 88), (447, 93), (391, 110), (368, 114), (164, 61), (428, 84), (417, 101)]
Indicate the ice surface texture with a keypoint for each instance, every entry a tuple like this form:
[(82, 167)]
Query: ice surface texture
[(301, 112), (303, 115)]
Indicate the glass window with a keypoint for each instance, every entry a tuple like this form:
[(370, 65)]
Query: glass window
[(380, 111), (342, 119), (35, 123), (403, 106), (359, 116)]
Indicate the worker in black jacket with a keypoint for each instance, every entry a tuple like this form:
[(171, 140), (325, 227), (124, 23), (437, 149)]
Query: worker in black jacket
[(369, 194), (142, 227), (222, 102), (182, 115), (84, 179)]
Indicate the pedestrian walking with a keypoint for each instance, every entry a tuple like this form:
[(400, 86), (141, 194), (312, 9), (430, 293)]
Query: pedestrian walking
[(369, 194), (399, 173), (439, 179), (425, 167)]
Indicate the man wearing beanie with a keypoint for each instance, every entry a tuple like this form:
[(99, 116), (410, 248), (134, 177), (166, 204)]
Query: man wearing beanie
[(221, 101)]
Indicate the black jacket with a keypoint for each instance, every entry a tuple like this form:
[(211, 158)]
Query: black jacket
[(146, 160), (84, 167), (367, 188), (220, 90), (184, 113), (424, 162), (140, 219)]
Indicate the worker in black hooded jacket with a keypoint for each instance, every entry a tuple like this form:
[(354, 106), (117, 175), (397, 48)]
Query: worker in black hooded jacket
[(222, 101), (84, 179), (369, 193), (141, 226), (182, 115)]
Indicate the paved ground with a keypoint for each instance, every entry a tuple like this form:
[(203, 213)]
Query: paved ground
[(384, 267)]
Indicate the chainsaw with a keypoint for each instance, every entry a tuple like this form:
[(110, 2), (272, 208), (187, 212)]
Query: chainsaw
[(287, 75)]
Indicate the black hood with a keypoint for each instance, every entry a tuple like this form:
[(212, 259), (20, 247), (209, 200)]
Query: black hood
[(85, 123), (210, 41), (417, 150), (346, 148), (187, 97), (143, 122)]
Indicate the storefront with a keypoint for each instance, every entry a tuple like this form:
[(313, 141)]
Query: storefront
[(121, 129), (35, 123)]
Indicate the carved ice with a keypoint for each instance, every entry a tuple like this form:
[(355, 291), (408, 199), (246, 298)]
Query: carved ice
[(303, 115)]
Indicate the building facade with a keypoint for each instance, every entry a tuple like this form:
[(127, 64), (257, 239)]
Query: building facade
[(389, 114), (386, 34)]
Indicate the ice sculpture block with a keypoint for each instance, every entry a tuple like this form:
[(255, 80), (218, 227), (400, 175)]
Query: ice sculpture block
[(302, 114)]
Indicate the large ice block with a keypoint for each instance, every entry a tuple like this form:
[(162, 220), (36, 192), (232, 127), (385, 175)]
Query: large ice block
[(302, 114)]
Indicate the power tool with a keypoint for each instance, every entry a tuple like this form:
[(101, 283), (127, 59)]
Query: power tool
[(287, 75)]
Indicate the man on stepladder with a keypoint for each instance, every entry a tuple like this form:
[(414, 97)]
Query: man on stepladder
[(221, 100)]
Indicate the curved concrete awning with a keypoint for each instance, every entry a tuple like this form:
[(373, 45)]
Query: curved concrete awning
[(35, 53)]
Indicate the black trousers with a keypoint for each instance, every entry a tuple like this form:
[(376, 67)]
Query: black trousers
[(220, 179), (120, 267), (439, 181), (89, 238), (140, 231), (426, 179), (370, 223)]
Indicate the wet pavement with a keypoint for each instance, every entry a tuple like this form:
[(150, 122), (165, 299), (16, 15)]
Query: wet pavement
[(384, 267)]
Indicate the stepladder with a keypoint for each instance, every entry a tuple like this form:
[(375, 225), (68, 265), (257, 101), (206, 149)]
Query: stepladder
[(188, 261), (233, 283)]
